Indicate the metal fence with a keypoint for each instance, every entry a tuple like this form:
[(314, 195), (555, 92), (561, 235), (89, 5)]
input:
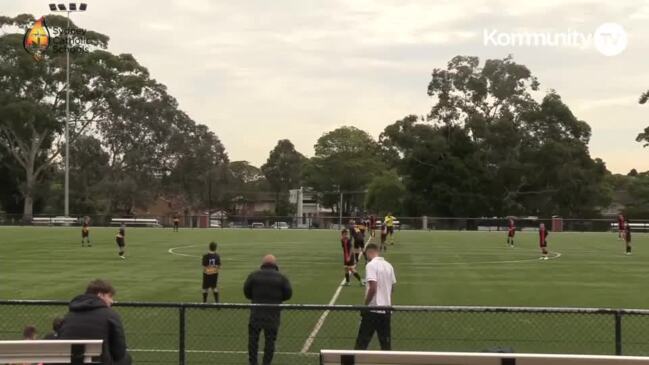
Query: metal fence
[(181, 333), (331, 222)]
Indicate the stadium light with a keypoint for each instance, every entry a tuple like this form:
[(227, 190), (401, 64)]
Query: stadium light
[(72, 8)]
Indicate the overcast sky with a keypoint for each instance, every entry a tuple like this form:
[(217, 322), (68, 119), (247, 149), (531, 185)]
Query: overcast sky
[(259, 71)]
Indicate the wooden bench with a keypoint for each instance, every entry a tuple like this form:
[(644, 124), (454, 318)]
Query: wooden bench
[(74, 352), (146, 222), (346, 357), (50, 221), (634, 227)]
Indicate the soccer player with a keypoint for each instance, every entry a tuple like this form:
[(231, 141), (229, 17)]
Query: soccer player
[(543, 241), (620, 226), (348, 258), (384, 237), (627, 237), (120, 239), (359, 241), (389, 222), (372, 225), (511, 232), (211, 267), (176, 223), (85, 232)]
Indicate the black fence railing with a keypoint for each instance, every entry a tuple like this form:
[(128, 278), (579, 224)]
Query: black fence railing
[(329, 222), (183, 333)]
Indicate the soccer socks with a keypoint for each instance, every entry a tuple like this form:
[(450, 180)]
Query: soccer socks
[(357, 276), (347, 277), (205, 297), (628, 249), (216, 296)]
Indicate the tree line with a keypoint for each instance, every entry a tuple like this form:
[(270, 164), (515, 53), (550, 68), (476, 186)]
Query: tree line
[(487, 147)]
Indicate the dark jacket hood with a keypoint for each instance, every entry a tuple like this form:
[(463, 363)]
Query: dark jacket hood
[(85, 302), (269, 267)]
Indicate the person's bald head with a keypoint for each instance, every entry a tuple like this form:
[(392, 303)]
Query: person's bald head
[(269, 259)]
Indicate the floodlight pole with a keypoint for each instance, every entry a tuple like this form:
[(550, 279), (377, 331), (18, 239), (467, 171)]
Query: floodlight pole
[(66, 188), (67, 119)]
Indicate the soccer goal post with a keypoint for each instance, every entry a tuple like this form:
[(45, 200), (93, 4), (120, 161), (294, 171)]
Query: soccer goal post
[(345, 357)]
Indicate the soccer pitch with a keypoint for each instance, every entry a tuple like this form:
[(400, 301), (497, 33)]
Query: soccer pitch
[(432, 268)]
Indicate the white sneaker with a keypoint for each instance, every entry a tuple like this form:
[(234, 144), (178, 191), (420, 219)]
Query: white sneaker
[(541, 258), (123, 257), (545, 257), (628, 253)]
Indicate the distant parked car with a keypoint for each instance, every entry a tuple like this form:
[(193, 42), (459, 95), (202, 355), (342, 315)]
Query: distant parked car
[(215, 224), (281, 225), (257, 225)]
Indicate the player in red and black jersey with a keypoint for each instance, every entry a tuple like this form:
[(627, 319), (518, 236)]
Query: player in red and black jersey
[(372, 226), (384, 237), (211, 267), (349, 260), (620, 226), (511, 232), (176, 223), (85, 232), (543, 241), (627, 237)]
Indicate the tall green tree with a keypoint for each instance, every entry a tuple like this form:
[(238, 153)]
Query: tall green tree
[(345, 160), (283, 171), (385, 194), (112, 97), (643, 137), (488, 147)]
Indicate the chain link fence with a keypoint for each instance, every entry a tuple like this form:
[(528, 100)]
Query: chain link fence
[(209, 334)]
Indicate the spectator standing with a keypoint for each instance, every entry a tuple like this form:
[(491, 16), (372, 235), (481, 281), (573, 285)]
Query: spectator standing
[(265, 286), (379, 278)]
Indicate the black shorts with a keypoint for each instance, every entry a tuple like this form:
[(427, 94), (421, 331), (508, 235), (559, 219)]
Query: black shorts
[(120, 242), (359, 244), (209, 281), (390, 230), (84, 234)]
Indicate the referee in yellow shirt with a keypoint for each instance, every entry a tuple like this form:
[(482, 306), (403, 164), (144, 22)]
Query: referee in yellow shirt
[(389, 223)]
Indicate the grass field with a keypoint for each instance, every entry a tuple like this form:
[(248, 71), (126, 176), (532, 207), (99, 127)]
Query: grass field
[(432, 268)]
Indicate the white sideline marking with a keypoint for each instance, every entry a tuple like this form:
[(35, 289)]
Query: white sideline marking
[(172, 251), (221, 352), (318, 325)]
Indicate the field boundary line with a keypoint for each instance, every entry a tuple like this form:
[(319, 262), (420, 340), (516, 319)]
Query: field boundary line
[(323, 317), (221, 352)]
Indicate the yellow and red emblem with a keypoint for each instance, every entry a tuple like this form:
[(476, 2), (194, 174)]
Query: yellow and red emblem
[(37, 39)]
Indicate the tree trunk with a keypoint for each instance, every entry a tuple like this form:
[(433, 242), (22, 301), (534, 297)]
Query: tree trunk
[(28, 194)]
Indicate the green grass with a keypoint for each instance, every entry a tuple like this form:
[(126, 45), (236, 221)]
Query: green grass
[(432, 268)]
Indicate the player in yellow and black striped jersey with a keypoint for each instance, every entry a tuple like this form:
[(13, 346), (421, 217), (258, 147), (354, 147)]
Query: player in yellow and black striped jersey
[(211, 266)]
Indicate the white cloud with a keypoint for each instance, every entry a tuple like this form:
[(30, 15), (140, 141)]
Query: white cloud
[(257, 71)]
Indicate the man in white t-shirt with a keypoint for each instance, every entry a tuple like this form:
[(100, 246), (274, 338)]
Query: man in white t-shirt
[(380, 278)]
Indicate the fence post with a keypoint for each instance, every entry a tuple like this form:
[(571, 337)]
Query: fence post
[(618, 332), (181, 335)]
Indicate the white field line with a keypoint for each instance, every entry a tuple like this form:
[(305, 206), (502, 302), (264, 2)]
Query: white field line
[(323, 317), (219, 352)]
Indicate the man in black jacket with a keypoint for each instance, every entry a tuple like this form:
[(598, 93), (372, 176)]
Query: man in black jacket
[(91, 318), (265, 286)]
